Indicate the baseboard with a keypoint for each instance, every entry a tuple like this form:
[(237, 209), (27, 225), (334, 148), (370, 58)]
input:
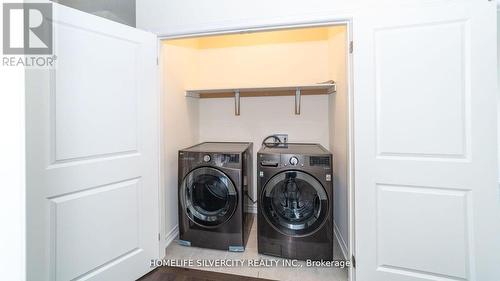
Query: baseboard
[(251, 209), (172, 235), (341, 241)]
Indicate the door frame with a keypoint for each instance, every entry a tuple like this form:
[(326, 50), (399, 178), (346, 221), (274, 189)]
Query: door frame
[(291, 24)]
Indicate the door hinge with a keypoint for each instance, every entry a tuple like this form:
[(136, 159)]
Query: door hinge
[(159, 237), (157, 61), (353, 261), (351, 47)]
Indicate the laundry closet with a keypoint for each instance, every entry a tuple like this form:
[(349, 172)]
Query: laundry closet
[(409, 119), (244, 87)]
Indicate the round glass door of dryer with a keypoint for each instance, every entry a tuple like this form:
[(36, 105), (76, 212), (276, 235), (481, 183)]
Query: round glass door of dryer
[(208, 197), (295, 203)]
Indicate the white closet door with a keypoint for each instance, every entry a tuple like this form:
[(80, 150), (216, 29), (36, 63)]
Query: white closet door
[(92, 153), (427, 201)]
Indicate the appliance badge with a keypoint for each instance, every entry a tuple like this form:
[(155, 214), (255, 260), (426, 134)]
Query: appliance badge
[(328, 177)]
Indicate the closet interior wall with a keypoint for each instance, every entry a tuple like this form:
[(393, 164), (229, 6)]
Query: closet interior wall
[(498, 96), (180, 120), (275, 58), (339, 135)]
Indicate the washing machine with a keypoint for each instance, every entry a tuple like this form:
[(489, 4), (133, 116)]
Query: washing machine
[(295, 207), (213, 180)]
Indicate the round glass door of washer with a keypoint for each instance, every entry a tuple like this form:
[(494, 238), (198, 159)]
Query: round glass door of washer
[(208, 197), (295, 203)]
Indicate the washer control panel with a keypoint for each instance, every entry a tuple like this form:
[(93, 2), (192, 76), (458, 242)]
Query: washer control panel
[(283, 160)]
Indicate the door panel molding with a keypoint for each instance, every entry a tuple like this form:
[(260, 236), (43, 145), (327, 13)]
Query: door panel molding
[(426, 133), (425, 147), (93, 153)]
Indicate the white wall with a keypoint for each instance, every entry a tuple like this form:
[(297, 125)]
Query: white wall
[(174, 17), (278, 63), (181, 119), (13, 167), (339, 138), (188, 16)]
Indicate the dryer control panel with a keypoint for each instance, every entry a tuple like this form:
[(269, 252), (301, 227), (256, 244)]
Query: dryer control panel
[(230, 160)]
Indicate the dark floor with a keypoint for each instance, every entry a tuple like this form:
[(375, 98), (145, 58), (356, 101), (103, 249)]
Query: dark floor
[(186, 274)]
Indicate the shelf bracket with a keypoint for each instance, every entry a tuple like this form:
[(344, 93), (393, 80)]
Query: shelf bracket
[(237, 102), (192, 94), (297, 101)]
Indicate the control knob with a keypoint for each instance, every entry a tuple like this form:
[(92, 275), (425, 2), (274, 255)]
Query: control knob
[(206, 158), (294, 160)]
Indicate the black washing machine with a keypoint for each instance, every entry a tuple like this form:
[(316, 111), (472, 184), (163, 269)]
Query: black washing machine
[(295, 208), (213, 179)]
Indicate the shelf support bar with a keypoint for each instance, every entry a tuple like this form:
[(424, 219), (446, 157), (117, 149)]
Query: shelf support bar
[(237, 102), (297, 101)]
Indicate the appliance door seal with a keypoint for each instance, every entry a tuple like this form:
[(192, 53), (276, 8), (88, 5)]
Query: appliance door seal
[(208, 197), (295, 203)]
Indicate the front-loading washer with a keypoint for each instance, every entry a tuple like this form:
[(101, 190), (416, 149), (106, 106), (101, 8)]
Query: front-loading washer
[(213, 180), (295, 208)]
